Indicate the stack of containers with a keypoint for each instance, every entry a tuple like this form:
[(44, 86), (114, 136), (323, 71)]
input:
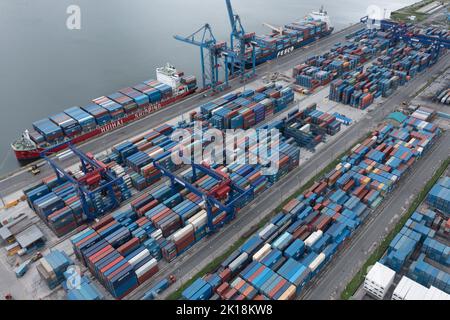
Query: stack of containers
[(48, 129), (58, 204), (115, 110), (359, 88), (439, 196), (153, 94), (100, 114), (128, 104), (189, 81), (280, 259), (428, 275), (166, 90), (85, 120), (142, 100), (52, 266), (246, 109), (69, 126), (118, 261), (436, 250)]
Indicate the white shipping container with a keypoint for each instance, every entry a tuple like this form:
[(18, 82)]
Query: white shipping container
[(234, 265), (236, 281), (288, 294), (265, 230), (264, 251), (183, 232), (317, 262), (157, 152), (306, 128), (309, 242), (156, 234), (139, 257), (356, 147), (47, 267), (146, 267), (198, 220)]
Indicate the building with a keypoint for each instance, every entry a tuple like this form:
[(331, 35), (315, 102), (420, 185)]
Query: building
[(408, 289), (378, 280)]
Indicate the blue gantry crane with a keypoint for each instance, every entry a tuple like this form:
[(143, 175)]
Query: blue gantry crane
[(89, 198), (402, 32), (239, 41), (235, 194), (210, 53)]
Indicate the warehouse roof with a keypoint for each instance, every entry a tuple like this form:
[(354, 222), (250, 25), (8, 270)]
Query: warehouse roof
[(398, 116), (29, 236), (5, 233), (381, 275)]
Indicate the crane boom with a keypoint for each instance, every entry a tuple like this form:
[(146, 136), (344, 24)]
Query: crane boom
[(230, 13), (279, 29)]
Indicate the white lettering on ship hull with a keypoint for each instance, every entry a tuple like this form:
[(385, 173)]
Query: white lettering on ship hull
[(140, 114), (150, 109), (285, 51), (111, 126)]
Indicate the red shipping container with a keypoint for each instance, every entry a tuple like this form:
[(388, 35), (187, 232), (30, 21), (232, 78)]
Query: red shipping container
[(256, 273), (150, 273), (276, 288), (317, 207), (290, 205), (230, 294), (128, 246), (105, 227), (225, 274), (100, 254), (113, 263), (222, 288), (349, 185), (102, 222)]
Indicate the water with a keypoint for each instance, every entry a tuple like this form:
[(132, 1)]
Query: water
[(45, 67)]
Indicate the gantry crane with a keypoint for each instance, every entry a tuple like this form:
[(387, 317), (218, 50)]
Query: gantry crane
[(239, 42), (214, 198), (90, 167), (210, 53), (402, 32)]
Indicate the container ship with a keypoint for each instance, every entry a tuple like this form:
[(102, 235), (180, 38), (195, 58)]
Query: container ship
[(104, 114), (285, 40)]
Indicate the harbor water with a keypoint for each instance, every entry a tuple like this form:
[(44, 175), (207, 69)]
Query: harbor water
[(47, 67)]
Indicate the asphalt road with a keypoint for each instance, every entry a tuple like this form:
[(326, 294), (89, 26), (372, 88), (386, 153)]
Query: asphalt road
[(202, 253), (335, 277), (22, 178)]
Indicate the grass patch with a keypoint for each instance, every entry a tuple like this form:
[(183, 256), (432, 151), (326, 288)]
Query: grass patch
[(402, 15), (358, 279), (213, 265)]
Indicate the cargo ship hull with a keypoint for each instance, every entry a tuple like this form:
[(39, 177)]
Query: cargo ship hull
[(33, 154)]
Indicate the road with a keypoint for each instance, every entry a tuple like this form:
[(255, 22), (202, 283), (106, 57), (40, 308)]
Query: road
[(205, 251), (332, 282), (21, 178)]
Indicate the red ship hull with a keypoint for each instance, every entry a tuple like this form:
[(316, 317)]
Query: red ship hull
[(26, 155)]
